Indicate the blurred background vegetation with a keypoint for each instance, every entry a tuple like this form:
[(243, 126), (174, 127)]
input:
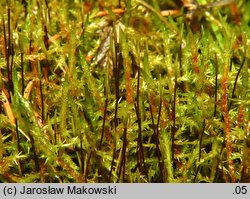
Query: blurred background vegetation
[(124, 91)]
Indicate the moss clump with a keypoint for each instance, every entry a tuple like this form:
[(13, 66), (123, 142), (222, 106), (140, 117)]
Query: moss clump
[(124, 91)]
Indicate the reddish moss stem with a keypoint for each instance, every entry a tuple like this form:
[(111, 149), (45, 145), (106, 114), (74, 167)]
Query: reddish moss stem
[(227, 127)]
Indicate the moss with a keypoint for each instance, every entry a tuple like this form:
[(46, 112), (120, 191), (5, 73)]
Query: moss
[(123, 92)]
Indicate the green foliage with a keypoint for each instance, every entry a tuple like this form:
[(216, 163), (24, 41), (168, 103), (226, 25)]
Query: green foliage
[(94, 92)]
